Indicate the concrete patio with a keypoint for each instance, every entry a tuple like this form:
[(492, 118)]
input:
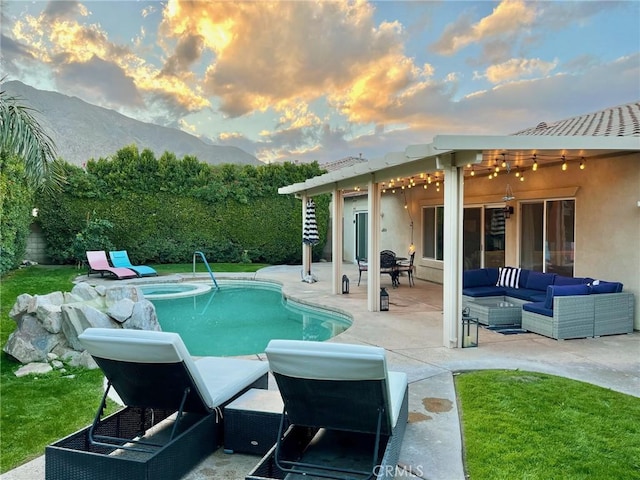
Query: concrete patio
[(411, 332)]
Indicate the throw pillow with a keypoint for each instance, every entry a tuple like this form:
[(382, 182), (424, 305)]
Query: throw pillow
[(508, 277), (600, 286)]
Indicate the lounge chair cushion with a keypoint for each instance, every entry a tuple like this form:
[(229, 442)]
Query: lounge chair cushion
[(335, 361), (217, 379), (489, 291)]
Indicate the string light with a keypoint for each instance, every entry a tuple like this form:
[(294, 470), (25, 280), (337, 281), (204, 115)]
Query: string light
[(564, 163), (473, 172), (535, 163), (582, 162)]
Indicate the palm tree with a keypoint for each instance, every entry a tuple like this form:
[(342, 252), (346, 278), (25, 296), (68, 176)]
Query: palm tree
[(21, 135)]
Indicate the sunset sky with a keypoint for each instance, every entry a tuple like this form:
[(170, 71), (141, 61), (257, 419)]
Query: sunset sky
[(302, 80)]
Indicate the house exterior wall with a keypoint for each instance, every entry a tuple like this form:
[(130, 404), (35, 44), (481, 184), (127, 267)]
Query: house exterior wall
[(607, 222)]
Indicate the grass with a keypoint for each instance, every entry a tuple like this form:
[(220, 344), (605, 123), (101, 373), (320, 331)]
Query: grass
[(535, 426), (37, 410)]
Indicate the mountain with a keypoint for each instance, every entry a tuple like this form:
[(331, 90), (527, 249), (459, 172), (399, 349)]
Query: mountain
[(82, 131)]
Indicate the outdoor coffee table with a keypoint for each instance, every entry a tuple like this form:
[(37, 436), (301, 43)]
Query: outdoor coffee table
[(491, 311)]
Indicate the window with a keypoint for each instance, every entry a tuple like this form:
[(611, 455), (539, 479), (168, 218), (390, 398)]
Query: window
[(432, 232)]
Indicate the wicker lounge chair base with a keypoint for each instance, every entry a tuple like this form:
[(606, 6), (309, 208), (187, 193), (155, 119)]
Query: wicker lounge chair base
[(76, 458), (347, 454)]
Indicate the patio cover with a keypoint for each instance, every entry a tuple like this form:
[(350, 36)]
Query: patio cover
[(450, 154)]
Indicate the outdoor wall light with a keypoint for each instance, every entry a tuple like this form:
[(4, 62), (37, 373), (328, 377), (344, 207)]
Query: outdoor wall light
[(508, 211), (384, 300)]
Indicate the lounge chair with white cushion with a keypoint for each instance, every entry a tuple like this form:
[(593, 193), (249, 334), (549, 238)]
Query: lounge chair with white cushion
[(155, 377), (347, 412)]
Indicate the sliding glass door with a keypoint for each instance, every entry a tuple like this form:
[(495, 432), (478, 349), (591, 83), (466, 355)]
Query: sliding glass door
[(547, 233), (483, 237)]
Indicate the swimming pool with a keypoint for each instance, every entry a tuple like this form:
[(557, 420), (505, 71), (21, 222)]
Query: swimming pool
[(241, 318)]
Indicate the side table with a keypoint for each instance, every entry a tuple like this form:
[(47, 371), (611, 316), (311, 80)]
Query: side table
[(251, 422)]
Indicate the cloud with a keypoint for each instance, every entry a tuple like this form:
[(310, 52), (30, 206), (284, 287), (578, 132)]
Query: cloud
[(506, 21), (187, 52), (102, 81), (517, 68), (317, 48)]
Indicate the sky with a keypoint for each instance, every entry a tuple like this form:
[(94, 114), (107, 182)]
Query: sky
[(325, 80)]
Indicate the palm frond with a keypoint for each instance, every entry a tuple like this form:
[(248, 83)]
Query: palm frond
[(21, 134)]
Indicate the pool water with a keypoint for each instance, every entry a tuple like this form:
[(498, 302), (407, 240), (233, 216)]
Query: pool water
[(240, 319)]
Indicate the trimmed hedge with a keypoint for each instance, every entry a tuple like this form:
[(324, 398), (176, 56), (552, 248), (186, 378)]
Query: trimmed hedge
[(164, 210), (16, 201)]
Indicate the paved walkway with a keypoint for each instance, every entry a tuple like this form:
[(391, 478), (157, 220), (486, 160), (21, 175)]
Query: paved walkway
[(411, 332)]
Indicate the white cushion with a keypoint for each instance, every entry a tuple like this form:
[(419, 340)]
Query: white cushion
[(225, 377), (326, 361), (336, 361), (216, 378)]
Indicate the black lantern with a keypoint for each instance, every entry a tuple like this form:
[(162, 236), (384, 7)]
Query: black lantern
[(384, 300), (345, 284), (469, 329)]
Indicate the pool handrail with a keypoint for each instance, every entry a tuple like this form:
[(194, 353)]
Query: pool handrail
[(206, 264)]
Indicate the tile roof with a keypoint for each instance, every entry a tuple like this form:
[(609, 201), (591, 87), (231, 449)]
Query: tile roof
[(342, 163), (620, 121)]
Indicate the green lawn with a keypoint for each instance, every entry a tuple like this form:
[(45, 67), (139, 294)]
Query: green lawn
[(535, 426), (516, 425)]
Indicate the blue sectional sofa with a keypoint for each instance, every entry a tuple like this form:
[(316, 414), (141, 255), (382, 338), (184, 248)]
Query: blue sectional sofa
[(553, 305)]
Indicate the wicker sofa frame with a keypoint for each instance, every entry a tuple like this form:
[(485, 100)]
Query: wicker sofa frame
[(583, 316)]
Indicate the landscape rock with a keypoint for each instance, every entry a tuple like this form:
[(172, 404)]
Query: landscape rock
[(48, 325), (115, 294), (33, 368), (31, 342), (55, 298), (84, 291), (50, 316), (143, 317), (77, 317), (71, 298), (21, 306), (121, 310), (83, 359)]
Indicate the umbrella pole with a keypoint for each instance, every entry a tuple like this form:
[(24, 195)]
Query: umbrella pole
[(309, 258)]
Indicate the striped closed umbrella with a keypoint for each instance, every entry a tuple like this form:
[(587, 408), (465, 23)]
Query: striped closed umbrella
[(310, 234)]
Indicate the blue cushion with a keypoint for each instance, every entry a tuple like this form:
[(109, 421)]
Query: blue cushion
[(475, 278), (539, 280), (492, 273), (538, 297), (606, 287), (524, 276), (522, 293), (538, 307), (492, 291), (508, 277), (564, 291), (561, 280)]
